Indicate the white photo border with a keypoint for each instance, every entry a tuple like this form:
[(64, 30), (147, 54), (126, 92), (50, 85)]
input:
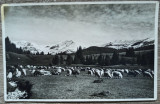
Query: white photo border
[(79, 3)]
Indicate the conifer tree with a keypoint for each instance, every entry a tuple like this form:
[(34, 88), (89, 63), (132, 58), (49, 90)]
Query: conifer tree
[(69, 60), (79, 58), (139, 59), (37, 53), (115, 58), (56, 60), (76, 60), (101, 60), (107, 60), (87, 60), (42, 53), (130, 52), (61, 59), (144, 59)]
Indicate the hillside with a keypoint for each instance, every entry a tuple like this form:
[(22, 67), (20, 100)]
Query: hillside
[(97, 50), (14, 58)]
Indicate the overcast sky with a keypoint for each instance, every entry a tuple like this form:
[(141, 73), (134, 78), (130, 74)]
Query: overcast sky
[(84, 24)]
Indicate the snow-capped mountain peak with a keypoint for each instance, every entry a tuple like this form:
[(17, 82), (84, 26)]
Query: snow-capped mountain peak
[(120, 44), (32, 47), (67, 46)]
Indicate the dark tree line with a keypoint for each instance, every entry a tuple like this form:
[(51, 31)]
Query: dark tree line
[(11, 47), (130, 52), (40, 53), (103, 60), (90, 60), (145, 58), (78, 58)]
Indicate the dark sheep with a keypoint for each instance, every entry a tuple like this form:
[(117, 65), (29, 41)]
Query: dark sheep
[(147, 74), (76, 72), (36, 73), (83, 69), (25, 86), (98, 81), (132, 73)]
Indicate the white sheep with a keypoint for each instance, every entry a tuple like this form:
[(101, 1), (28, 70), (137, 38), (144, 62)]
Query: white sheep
[(21, 66), (24, 71), (90, 72), (42, 71), (33, 71), (152, 72), (126, 71), (18, 73), (63, 69), (28, 66), (117, 74), (149, 70), (108, 73), (93, 70), (10, 75), (138, 72), (58, 70), (146, 73), (69, 72), (102, 72), (13, 84), (99, 73)]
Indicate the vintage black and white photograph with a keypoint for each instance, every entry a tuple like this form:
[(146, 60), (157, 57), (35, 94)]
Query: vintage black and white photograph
[(80, 51)]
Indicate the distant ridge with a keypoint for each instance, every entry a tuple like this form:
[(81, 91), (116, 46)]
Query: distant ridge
[(70, 46)]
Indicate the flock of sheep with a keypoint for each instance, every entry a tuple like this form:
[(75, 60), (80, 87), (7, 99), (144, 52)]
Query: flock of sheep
[(30, 70)]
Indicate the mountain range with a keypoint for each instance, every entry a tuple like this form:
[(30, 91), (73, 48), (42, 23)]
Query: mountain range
[(70, 46), (121, 44)]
